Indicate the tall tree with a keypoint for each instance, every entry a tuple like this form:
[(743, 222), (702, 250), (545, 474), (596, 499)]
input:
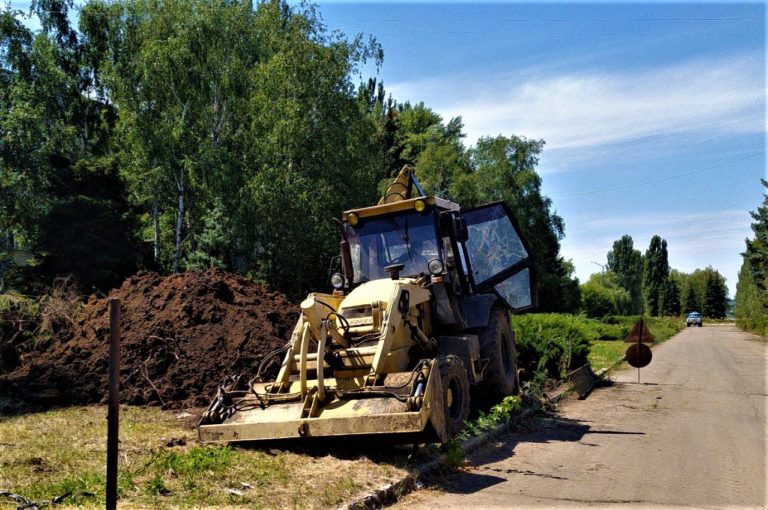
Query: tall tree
[(751, 307), (55, 133), (670, 298), (655, 274), (690, 302), (756, 253), (715, 295), (603, 295), (627, 263)]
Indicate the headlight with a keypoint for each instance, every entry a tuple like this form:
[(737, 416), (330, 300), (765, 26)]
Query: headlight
[(435, 266), (337, 280), (352, 219), (419, 205)]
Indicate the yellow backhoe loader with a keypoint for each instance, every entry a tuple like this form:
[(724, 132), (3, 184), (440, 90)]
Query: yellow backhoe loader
[(419, 315)]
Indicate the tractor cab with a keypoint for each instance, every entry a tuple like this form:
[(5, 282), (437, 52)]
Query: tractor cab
[(471, 258)]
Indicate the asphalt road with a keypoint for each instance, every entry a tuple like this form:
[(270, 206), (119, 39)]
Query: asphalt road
[(692, 434)]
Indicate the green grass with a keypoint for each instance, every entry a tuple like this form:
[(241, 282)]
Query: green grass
[(603, 353), (48, 454)]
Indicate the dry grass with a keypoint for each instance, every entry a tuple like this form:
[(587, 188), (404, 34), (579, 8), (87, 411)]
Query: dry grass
[(47, 454)]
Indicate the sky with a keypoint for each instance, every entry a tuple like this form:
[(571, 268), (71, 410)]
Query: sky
[(653, 114)]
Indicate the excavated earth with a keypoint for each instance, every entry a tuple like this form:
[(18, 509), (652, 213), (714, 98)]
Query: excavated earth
[(181, 336)]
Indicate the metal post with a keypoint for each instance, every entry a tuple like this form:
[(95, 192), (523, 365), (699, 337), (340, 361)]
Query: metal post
[(113, 413)]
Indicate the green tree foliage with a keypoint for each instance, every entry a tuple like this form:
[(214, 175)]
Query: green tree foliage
[(242, 132), (655, 275), (715, 295), (603, 295), (756, 254), (55, 131), (702, 291), (670, 298), (627, 263), (90, 207), (690, 301), (751, 307)]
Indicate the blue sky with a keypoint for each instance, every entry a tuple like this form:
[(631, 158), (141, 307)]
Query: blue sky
[(653, 114)]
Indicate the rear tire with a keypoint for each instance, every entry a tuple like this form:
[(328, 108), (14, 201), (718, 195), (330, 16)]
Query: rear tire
[(497, 345), (455, 388)]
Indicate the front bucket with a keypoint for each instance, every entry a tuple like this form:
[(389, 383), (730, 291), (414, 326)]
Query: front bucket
[(386, 416)]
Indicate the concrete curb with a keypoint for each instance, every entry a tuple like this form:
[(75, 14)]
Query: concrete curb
[(604, 371), (393, 491)]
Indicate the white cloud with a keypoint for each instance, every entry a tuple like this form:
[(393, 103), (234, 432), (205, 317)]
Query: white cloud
[(575, 111), (694, 240)]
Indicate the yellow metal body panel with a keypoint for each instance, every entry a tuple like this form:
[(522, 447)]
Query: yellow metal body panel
[(402, 205)]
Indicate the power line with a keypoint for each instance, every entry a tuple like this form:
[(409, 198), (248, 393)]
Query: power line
[(663, 179), (536, 20)]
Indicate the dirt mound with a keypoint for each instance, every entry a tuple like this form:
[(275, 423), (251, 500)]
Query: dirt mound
[(181, 335)]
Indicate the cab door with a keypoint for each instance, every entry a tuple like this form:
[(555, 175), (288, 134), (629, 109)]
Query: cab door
[(498, 257)]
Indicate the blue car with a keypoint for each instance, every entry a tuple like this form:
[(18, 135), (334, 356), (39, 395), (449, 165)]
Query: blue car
[(694, 319)]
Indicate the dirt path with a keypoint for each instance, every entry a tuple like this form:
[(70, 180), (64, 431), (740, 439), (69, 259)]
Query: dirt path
[(692, 434)]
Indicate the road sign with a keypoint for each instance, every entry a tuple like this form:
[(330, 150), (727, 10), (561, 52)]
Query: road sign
[(640, 334), (639, 355)]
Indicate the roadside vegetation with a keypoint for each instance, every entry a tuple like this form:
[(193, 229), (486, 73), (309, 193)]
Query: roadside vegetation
[(551, 345), (751, 307)]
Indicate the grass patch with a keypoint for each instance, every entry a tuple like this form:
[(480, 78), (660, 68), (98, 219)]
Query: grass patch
[(603, 353), (48, 454)]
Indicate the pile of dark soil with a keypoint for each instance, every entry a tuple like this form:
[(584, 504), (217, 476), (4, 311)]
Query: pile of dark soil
[(181, 336)]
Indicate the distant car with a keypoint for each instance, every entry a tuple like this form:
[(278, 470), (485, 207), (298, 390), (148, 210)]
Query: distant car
[(694, 319)]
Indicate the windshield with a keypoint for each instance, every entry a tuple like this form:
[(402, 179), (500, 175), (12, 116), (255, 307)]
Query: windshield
[(408, 239)]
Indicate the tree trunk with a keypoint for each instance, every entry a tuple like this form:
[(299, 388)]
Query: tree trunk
[(179, 223)]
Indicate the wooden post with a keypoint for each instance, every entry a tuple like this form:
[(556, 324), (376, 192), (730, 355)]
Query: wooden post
[(113, 413)]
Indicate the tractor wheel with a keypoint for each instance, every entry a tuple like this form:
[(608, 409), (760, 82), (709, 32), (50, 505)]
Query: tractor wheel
[(497, 345), (453, 376)]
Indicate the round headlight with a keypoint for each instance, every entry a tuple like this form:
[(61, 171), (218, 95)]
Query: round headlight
[(419, 205), (337, 280), (352, 219), (435, 266)]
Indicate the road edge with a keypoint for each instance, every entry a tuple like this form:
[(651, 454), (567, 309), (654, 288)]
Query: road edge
[(393, 491)]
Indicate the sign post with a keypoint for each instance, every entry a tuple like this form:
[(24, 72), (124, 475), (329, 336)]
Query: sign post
[(113, 413), (638, 354)]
